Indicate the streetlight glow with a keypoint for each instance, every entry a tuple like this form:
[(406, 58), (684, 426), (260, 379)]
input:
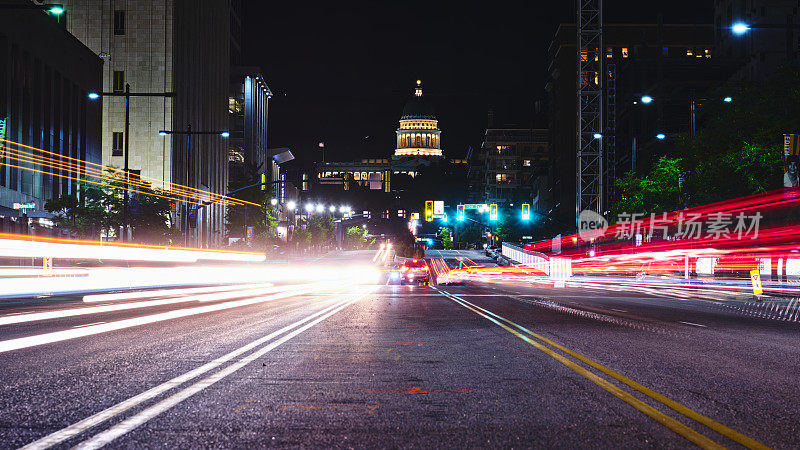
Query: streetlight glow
[(93, 95), (320, 208), (597, 135), (162, 133), (56, 9), (225, 134), (273, 201), (727, 99), (332, 208), (309, 207), (291, 205), (661, 136), (647, 99), (740, 28)]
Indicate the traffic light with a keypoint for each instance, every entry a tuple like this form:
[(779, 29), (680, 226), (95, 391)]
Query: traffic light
[(460, 213), (428, 210), (526, 211), (493, 211), (263, 181)]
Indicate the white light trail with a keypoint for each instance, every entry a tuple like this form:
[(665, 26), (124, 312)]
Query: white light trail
[(165, 293)]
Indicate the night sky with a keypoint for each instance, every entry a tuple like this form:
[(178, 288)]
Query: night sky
[(342, 71)]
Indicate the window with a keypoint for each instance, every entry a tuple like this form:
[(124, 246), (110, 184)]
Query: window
[(502, 177), (689, 52), (526, 163), (624, 52), (665, 51), (117, 143), (609, 52), (119, 81), (119, 23)]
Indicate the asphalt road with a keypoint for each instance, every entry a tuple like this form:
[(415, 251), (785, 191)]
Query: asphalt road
[(496, 363)]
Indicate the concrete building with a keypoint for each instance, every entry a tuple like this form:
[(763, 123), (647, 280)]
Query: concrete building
[(44, 83), (774, 34), (164, 46), (513, 168)]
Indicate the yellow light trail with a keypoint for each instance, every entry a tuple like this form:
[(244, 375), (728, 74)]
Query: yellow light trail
[(179, 188)]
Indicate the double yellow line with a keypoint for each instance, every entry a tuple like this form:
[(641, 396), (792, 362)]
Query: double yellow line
[(541, 343)]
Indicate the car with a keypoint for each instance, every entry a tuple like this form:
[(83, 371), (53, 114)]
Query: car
[(414, 271)]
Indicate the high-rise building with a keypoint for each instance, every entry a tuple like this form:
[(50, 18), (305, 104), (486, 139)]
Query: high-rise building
[(45, 78), (164, 46)]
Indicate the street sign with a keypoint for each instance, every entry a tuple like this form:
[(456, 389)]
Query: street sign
[(29, 205), (438, 207), (476, 206)]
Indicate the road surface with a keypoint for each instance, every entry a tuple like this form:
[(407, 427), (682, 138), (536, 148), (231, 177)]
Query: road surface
[(485, 364)]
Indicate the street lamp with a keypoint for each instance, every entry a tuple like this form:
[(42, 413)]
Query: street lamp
[(309, 207), (647, 99), (291, 206), (597, 135), (740, 28), (273, 201), (727, 99), (127, 94), (55, 9), (188, 133), (332, 209), (661, 136), (320, 208)]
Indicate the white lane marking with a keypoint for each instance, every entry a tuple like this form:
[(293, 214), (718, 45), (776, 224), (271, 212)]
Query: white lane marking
[(57, 336), (168, 292), (692, 324), (60, 314), (139, 419), (102, 416), (88, 324)]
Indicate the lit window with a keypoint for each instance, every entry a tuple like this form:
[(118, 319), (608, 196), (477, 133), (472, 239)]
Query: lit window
[(689, 52), (624, 52), (526, 163), (707, 53), (609, 52)]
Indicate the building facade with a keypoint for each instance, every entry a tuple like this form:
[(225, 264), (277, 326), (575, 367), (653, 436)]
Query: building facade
[(248, 107), (513, 167), (46, 77), (165, 46)]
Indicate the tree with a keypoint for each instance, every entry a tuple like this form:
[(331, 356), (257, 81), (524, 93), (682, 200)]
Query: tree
[(471, 233), (100, 206), (444, 234), (321, 230), (736, 152), (356, 237), (258, 213), (656, 192)]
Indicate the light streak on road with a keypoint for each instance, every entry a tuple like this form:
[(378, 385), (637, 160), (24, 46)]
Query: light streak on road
[(109, 413), (165, 292)]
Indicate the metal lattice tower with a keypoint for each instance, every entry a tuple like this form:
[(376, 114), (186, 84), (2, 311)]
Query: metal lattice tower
[(589, 173), (609, 137)]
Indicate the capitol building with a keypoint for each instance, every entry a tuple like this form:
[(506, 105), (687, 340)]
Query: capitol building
[(418, 144), (419, 133)]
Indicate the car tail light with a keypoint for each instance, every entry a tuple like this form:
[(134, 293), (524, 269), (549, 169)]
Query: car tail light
[(424, 268)]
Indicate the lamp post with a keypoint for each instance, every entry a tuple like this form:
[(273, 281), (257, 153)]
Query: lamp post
[(127, 94), (189, 133)]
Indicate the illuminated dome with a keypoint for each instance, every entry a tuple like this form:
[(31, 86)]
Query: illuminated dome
[(418, 134)]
